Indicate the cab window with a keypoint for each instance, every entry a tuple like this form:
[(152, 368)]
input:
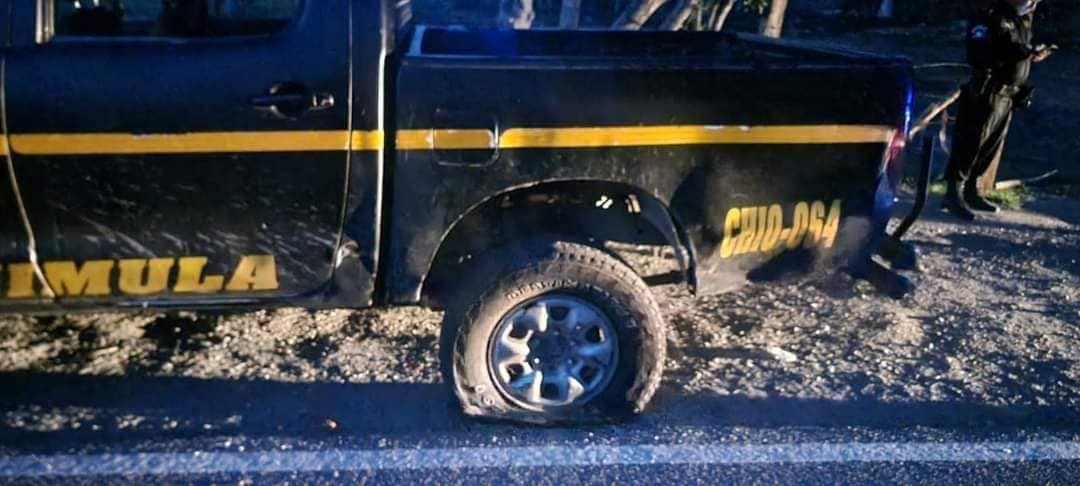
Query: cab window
[(169, 18)]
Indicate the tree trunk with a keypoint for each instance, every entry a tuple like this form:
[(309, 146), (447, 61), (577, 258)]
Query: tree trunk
[(773, 24), (987, 182), (722, 16), (515, 14), (570, 16), (679, 15), (637, 13)]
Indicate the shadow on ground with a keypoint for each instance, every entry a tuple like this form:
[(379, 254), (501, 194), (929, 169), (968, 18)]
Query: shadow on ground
[(1063, 254), (78, 409), (1042, 211)]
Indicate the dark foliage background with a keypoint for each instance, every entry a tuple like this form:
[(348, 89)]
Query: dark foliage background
[(1058, 19)]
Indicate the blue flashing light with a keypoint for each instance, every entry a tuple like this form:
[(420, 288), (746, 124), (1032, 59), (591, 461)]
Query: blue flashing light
[(909, 105)]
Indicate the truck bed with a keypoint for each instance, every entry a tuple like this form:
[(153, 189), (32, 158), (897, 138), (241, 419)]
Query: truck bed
[(711, 47), (707, 124)]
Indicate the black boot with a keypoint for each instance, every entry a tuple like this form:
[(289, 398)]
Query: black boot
[(956, 204), (975, 200)]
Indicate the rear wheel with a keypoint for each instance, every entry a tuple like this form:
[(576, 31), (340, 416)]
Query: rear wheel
[(552, 332)]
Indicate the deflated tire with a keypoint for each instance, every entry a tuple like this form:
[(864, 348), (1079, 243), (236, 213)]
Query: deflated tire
[(552, 332)]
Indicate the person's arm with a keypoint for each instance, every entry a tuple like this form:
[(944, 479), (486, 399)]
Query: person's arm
[(1043, 51)]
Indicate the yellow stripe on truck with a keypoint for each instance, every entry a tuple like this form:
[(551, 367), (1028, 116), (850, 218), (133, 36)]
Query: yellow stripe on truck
[(596, 137), (367, 140), (587, 137), (181, 143), (443, 139)]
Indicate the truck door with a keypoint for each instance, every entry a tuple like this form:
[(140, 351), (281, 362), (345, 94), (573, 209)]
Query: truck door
[(181, 151), (13, 236)]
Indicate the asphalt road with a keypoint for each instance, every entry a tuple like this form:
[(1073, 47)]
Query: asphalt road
[(637, 453)]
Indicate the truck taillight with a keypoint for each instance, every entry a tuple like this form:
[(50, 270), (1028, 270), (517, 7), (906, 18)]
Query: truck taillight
[(894, 159), (896, 146)]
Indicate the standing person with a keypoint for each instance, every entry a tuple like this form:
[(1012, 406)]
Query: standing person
[(1000, 53)]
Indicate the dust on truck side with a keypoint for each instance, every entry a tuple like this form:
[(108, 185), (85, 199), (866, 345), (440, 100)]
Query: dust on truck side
[(330, 154)]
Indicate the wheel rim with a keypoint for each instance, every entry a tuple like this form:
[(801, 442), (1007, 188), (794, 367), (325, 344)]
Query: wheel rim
[(553, 351)]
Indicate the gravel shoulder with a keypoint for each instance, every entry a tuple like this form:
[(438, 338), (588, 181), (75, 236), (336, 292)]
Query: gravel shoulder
[(993, 322)]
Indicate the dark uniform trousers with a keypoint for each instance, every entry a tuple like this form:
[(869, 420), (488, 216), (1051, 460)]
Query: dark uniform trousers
[(982, 124), (999, 50)]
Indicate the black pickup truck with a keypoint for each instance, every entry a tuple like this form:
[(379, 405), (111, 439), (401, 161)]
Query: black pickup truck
[(328, 153)]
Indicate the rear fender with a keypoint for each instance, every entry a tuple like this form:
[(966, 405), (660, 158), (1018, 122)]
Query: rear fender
[(591, 212)]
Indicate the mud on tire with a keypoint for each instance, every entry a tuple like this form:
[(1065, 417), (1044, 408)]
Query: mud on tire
[(501, 282)]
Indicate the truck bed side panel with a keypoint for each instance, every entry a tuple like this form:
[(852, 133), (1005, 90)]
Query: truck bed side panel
[(785, 122)]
